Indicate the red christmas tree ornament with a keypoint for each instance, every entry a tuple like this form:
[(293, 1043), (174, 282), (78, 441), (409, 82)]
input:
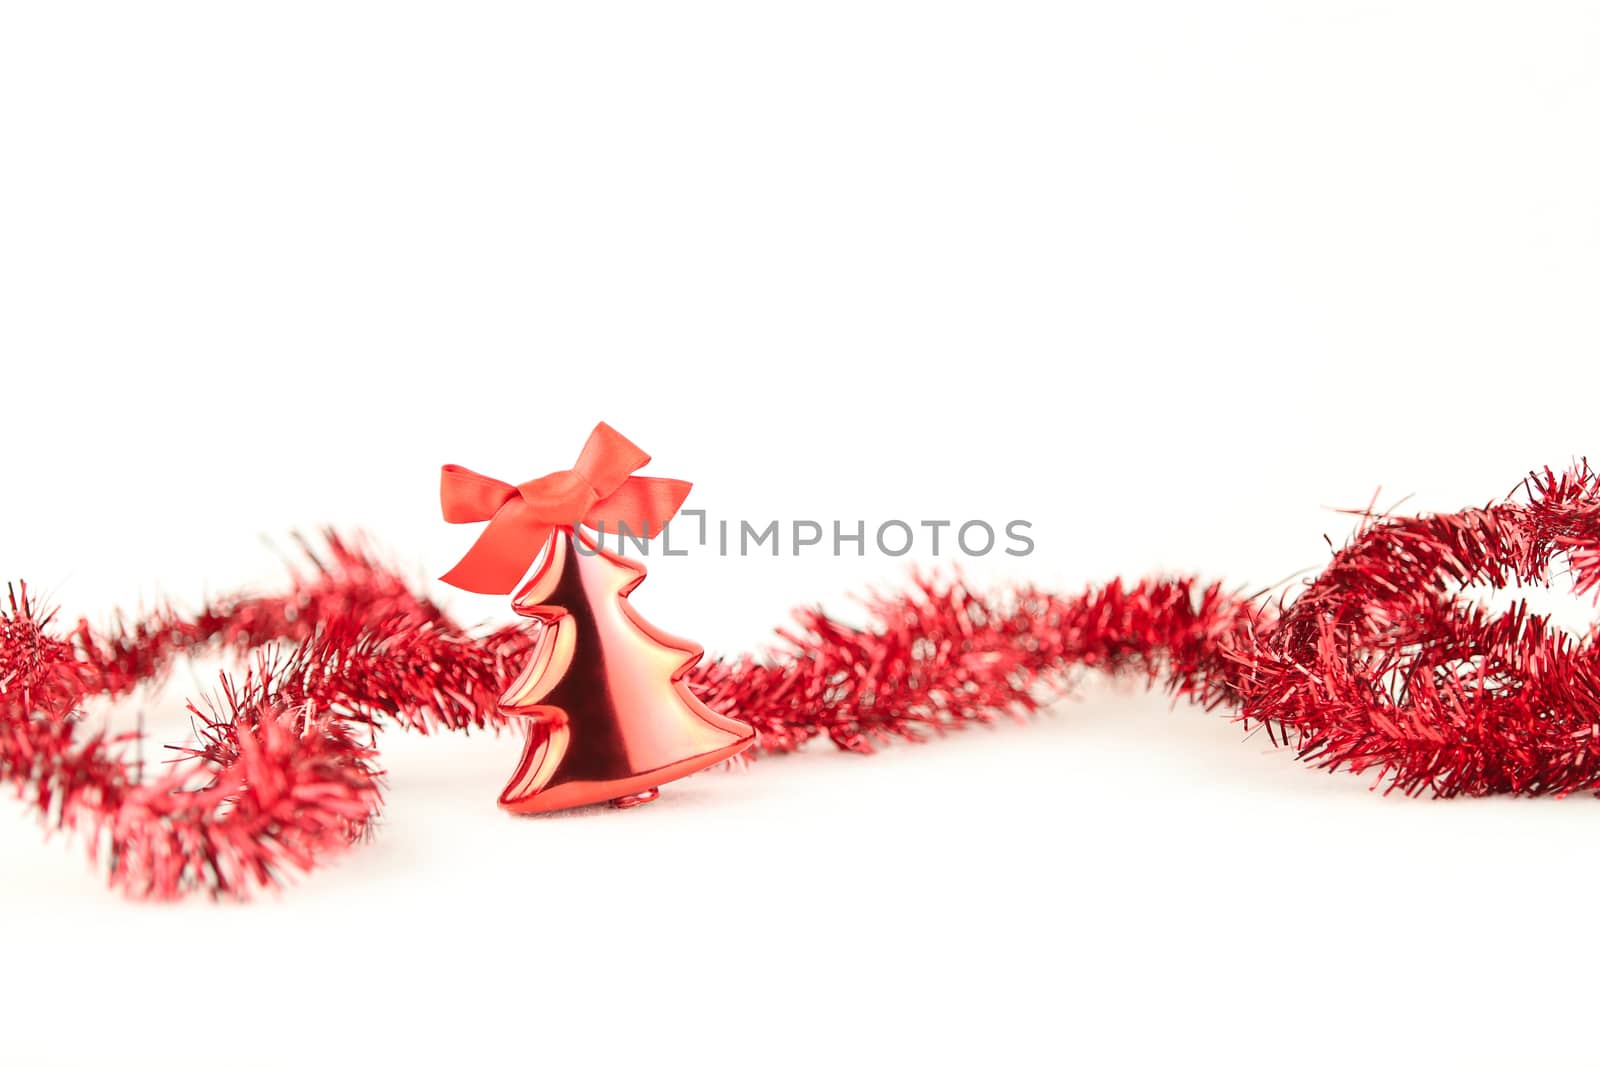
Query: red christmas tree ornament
[(610, 716)]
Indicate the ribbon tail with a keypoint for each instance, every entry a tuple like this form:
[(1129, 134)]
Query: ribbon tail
[(502, 554)]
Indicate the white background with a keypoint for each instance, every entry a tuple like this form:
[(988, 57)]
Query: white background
[(1170, 281)]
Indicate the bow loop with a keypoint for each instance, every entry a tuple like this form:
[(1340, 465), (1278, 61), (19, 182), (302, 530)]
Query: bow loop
[(467, 496), (607, 459), (599, 489), (640, 507)]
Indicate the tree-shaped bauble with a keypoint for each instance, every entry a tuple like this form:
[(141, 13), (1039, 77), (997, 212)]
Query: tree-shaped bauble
[(609, 715)]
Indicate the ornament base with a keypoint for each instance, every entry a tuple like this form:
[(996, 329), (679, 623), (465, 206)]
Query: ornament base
[(579, 794), (636, 799)]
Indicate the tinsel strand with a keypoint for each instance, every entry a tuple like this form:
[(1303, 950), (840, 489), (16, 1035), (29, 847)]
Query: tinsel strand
[(1384, 662)]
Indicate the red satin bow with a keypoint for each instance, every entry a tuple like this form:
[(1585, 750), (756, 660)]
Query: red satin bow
[(600, 488)]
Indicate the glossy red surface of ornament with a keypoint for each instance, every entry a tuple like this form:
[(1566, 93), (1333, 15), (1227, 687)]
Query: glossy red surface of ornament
[(611, 715)]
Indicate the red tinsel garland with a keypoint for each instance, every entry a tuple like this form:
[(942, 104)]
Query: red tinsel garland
[(1380, 663)]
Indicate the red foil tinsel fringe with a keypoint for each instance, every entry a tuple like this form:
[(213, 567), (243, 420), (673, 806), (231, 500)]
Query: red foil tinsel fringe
[(1383, 662)]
